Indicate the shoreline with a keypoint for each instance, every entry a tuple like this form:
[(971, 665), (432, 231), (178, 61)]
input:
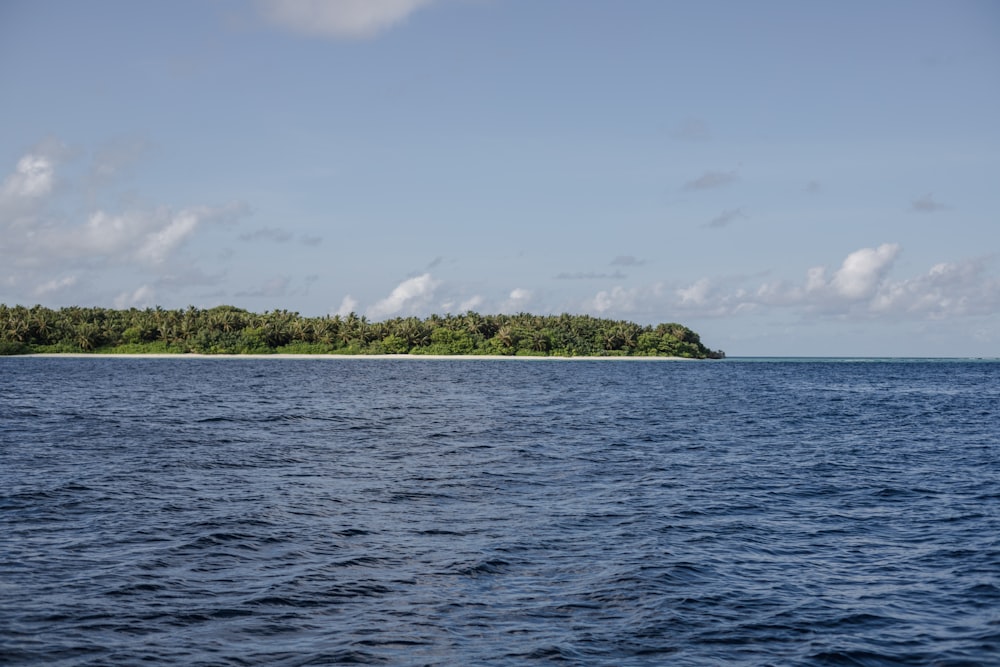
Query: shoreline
[(429, 357)]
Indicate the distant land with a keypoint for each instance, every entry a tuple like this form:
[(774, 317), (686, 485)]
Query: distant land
[(227, 330)]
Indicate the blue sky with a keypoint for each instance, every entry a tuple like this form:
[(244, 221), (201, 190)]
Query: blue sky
[(791, 178)]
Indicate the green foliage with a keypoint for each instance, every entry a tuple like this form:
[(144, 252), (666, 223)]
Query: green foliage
[(9, 347), (304, 348), (156, 347), (230, 330)]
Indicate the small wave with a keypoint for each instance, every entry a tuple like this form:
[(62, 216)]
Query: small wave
[(486, 567)]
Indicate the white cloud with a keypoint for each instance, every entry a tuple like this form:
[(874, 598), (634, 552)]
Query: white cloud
[(863, 270), (142, 237), (40, 244), (470, 304), (32, 178), (350, 19), (517, 301), (860, 288), (617, 299), (162, 242), (696, 294), (142, 297), (950, 289), (55, 285), (409, 296), (347, 306)]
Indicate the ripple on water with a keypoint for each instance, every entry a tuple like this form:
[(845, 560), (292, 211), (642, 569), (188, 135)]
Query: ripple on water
[(472, 512)]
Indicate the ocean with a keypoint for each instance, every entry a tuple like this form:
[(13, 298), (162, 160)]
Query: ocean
[(499, 512)]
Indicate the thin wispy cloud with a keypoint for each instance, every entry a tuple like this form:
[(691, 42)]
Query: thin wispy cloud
[(272, 234), (692, 129), (725, 218), (117, 157), (627, 260), (590, 275), (926, 204), (55, 285), (712, 179), (274, 287), (340, 19)]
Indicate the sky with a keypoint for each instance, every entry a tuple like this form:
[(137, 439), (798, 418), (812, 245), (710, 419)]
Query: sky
[(785, 178)]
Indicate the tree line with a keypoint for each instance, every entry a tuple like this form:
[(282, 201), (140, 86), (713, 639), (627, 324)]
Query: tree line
[(231, 330)]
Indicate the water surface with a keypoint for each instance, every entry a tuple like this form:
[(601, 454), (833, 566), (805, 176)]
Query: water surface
[(294, 512)]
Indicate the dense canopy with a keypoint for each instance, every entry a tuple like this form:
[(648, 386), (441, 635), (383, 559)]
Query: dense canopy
[(230, 330)]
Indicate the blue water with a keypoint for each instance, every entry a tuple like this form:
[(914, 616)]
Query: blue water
[(334, 511)]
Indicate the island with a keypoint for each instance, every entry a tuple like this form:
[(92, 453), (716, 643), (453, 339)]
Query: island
[(228, 330)]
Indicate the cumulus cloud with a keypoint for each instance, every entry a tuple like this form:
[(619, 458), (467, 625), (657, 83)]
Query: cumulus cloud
[(726, 217), (344, 19), (948, 289), (851, 287), (347, 306), (926, 204), (409, 296), (517, 301), (32, 181), (42, 244), (862, 271), (142, 297), (712, 179), (471, 303), (861, 287), (617, 299), (32, 178)]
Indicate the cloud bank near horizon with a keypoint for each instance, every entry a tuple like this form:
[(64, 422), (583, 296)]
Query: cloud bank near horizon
[(47, 253), (860, 288)]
